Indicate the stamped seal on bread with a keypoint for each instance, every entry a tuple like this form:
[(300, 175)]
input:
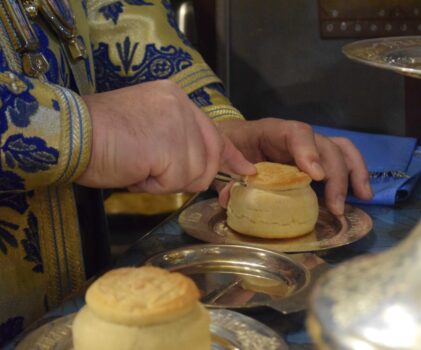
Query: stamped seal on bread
[(142, 296)]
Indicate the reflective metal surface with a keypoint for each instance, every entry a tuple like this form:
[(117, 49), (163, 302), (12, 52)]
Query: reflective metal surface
[(240, 277), (372, 302), (230, 331), (391, 224), (128, 203), (242, 333), (220, 176), (399, 54), (186, 19), (206, 221)]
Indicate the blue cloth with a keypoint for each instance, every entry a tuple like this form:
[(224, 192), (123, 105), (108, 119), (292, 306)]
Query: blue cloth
[(394, 163)]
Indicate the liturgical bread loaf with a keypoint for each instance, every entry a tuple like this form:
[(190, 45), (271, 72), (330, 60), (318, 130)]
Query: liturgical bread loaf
[(144, 308), (277, 202)]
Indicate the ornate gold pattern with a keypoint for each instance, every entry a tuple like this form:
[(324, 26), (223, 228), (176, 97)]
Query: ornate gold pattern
[(34, 64), (68, 129), (12, 82), (195, 77), (66, 30), (11, 55), (61, 120), (31, 7), (23, 37), (399, 54), (223, 112)]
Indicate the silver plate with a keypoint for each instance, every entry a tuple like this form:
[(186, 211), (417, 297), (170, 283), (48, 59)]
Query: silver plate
[(399, 54), (240, 277), (206, 221), (230, 331)]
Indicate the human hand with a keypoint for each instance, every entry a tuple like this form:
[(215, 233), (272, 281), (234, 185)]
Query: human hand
[(152, 138), (332, 159)]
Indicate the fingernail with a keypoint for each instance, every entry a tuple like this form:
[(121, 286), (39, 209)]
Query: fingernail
[(317, 168), (251, 169), (368, 189), (340, 204)]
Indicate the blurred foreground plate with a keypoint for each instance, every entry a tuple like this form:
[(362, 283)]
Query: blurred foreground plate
[(399, 54), (240, 277), (230, 331), (206, 221)]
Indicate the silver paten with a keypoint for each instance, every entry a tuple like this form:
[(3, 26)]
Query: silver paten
[(206, 220), (240, 277), (230, 331), (398, 54)]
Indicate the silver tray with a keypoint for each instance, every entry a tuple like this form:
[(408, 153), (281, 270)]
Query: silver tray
[(230, 331), (240, 277), (206, 221), (399, 54)]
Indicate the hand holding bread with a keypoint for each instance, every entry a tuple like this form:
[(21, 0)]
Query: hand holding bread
[(334, 160)]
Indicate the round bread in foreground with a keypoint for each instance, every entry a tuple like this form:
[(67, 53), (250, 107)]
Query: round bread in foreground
[(144, 308), (141, 296), (277, 202)]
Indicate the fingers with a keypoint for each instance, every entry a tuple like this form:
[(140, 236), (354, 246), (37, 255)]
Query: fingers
[(359, 176), (220, 154), (224, 195), (337, 175), (336, 160), (233, 161), (212, 145), (302, 146), (345, 163)]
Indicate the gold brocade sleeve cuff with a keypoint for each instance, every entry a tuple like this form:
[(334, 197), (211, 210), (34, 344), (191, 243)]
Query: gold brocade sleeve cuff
[(201, 76), (195, 77), (220, 113), (76, 132), (47, 138)]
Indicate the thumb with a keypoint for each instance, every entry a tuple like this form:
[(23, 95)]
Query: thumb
[(224, 195), (233, 161)]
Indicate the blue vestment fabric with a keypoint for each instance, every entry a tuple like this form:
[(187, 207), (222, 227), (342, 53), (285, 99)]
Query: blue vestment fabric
[(394, 163)]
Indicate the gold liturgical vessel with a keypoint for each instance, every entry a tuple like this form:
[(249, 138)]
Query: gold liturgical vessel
[(374, 302)]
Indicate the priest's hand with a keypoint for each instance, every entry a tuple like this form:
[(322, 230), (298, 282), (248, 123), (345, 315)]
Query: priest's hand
[(333, 160), (152, 138)]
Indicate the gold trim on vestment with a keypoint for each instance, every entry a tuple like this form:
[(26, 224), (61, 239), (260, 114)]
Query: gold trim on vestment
[(60, 242), (220, 113), (195, 77), (11, 56), (54, 207)]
